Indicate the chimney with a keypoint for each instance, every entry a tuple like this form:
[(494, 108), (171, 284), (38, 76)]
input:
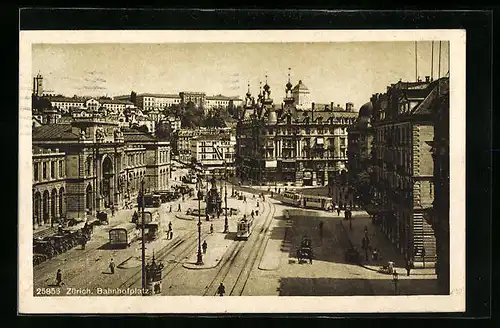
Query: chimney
[(331, 106), (312, 112), (427, 79)]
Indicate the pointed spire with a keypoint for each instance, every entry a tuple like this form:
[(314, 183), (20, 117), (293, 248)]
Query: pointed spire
[(289, 74)]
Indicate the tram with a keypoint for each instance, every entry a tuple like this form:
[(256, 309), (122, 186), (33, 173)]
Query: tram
[(123, 235), (244, 228), (306, 201), (290, 198)]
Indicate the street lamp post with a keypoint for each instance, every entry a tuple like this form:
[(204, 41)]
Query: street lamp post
[(395, 279), (143, 247), (226, 224), (199, 258)]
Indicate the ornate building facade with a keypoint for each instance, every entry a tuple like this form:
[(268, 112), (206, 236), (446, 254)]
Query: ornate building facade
[(288, 144), (96, 164), (402, 178)]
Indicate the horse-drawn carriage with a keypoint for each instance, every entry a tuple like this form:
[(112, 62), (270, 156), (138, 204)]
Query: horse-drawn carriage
[(305, 251)]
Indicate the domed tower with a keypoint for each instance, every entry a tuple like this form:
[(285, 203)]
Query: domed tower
[(288, 91), (267, 100), (248, 98)]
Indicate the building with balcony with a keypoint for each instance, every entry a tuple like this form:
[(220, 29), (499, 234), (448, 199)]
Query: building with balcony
[(183, 137), (288, 144), (440, 213), (214, 153), (402, 178)]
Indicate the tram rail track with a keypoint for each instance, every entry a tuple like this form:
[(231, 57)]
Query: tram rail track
[(243, 275)]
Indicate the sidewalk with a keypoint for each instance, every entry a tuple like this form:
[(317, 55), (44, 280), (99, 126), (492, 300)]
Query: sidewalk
[(218, 244), (379, 241)]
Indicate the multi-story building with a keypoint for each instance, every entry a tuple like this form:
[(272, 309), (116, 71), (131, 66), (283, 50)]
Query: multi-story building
[(220, 101), (359, 153), (182, 140), (175, 123), (214, 153), (402, 181), (155, 101), (197, 98), (65, 104), (440, 214), (289, 144), (103, 165)]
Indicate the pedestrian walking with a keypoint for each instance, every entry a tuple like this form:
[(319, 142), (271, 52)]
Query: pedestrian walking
[(256, 212), (170, 226), (112, 210), (171, 234), (83, 241), (221, 290), (211, 228), (112, 266), (257, 204), (338, 209), (59, 281), (279, 190), (252, 213), (179, 208), (204, 246), (170, 210), (408, 267)]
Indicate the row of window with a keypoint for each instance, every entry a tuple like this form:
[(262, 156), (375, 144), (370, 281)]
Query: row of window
[(47, 170), (214, 156), (320, 131)]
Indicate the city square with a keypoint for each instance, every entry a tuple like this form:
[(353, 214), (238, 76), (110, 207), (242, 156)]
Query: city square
[(259, 189)]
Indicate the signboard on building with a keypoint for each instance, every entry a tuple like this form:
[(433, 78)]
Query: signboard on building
[(271, 163)]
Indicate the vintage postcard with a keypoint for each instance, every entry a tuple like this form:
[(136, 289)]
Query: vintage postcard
[(242, 171)]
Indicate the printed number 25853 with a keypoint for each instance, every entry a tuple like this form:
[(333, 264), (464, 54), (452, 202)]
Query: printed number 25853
[(48, 291)]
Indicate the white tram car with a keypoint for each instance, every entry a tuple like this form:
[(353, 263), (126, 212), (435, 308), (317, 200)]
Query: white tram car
[(306, 201), (244, 228)]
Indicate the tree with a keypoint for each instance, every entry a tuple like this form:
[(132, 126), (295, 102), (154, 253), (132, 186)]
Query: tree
[(133, 98), (163, 130)]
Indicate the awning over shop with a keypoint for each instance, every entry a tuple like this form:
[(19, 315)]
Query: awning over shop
[(377, 209)]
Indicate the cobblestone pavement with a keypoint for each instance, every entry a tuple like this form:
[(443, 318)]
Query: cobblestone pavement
[(266, 264)]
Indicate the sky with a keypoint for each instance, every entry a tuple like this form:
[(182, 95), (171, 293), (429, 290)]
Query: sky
[(334, 72)]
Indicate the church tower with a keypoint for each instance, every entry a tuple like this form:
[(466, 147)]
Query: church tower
[(38, 85)]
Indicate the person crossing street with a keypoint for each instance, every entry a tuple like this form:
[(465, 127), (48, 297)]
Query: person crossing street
[(112, 266), (204, 246), (221, 290)]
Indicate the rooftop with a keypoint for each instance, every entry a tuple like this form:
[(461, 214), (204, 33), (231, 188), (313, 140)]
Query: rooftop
[(54, 132)]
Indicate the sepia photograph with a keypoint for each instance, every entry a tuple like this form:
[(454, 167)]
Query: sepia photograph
[(166, 168)]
